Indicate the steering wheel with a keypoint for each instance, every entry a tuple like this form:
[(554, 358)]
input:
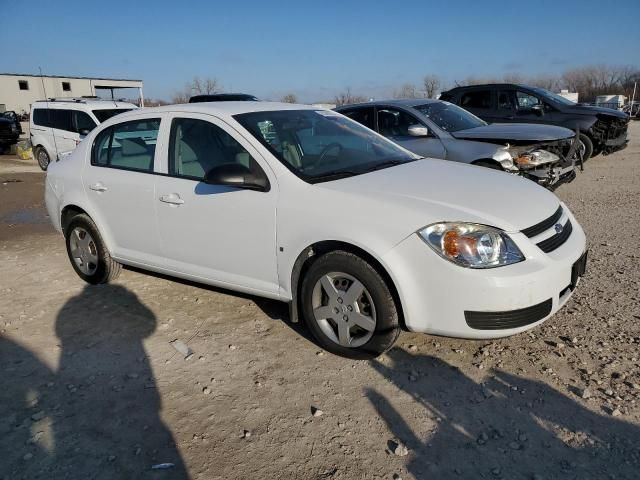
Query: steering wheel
[(325, 151)]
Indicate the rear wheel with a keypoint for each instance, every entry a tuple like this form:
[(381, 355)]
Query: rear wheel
[(42, 157), (348, 306), (87, 252)]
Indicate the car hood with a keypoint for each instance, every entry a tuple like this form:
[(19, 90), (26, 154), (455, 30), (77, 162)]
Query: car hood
[(422, 192), (515, 133), (580, 109)]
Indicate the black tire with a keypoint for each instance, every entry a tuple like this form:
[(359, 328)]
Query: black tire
[(488, 164), (42, 157), (588, 147), (106, 269), (387, 326)]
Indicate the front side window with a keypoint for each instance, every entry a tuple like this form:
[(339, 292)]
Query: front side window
[(449, 117), (364, 116), (197, 146), (505, 100), (319, 145), (525, 101), (82, 121), (476, 99), (395, 123), (129, 145)]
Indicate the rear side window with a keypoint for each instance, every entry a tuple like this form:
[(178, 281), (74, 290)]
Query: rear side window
[(362, 115), (129, 145), (40, 117), (197, 146), (476, 99)]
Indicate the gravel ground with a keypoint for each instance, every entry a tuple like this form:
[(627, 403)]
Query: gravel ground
[(92, 388)]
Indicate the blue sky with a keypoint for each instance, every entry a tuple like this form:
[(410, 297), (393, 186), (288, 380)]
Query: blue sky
[(313, 48)]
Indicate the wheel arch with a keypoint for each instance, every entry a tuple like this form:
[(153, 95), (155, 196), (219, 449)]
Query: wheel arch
[(492, 161), (73, 208), (312, 252)]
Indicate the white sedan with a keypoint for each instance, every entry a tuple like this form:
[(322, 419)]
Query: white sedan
[(361, 237)]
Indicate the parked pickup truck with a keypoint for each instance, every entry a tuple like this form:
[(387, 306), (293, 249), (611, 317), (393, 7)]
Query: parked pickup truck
[(10, 130), (602, 130)]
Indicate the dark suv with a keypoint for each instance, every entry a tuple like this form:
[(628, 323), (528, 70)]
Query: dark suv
[(602, 130), (10, 130)]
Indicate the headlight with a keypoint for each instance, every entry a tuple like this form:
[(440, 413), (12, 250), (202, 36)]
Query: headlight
[(535, 158), (14, 128), (471, 245)]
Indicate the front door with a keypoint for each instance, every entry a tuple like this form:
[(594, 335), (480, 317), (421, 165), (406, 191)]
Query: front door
[(394, 124), (215, 233)]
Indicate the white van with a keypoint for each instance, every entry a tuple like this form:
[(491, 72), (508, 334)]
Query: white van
[(57, 125)]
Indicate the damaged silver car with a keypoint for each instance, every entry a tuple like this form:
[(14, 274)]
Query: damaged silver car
[(437, 129)]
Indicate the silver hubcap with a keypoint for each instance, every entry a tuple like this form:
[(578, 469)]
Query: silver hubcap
[(43, 158), (83, 251), (343, 309)]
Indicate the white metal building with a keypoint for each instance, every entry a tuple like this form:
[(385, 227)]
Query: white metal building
[(18, 92)]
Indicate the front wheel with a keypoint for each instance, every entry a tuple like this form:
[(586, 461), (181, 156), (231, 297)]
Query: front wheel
[(87, 252), (348, 306), (585, 146)]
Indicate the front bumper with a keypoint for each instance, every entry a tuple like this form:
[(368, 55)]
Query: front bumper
[(615, 144), (435, 293)]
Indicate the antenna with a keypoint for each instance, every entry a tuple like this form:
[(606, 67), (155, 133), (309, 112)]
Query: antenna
[(53, 130)]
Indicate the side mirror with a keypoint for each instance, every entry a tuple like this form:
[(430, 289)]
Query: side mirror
[(238, 176), (538, 109), (418, 131), (84, 132)]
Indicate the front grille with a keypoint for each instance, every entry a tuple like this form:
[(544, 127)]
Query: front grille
[(551, 243), (538, 228), (508, 319)]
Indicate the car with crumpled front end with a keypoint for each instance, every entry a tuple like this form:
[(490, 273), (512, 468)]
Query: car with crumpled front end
[(600, 130), (438, 129), (361, 237)]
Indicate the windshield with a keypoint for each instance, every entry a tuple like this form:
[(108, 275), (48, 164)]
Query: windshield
[(320, 145), (449, 117), (553, 96), (106, 113)]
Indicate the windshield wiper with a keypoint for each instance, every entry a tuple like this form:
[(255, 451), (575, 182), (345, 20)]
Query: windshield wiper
[(333, 175)]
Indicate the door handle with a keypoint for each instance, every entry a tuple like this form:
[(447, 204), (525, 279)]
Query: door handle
[(172, 198), (98, 187)]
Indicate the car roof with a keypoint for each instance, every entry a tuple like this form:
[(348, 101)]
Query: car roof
[(403, 102), (222, 109), (83, 103), (485, 85)]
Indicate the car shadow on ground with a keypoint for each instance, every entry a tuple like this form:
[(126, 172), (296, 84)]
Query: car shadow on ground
[(509, 427), (98, 415)]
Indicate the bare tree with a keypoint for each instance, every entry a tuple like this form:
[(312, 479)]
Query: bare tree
[(347, 98), (407, 91), (513, 78), (289, 98), (431, 85), (548, 82), (197, 86)]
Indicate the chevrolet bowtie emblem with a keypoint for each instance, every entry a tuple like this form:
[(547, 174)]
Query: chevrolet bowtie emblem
[(558, 228)]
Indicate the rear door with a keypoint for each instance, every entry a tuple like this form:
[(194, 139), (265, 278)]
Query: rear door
[(394, 124), (65, 137), (119, 182), (480, 102)]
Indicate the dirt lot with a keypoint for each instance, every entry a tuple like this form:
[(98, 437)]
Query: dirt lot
[(91, 388)]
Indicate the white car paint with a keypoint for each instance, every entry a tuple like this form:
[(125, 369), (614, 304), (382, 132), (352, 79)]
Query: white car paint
[(249, 241)]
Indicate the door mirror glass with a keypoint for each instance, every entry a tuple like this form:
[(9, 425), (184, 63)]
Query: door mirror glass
[(238, 176), (418, 131)]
